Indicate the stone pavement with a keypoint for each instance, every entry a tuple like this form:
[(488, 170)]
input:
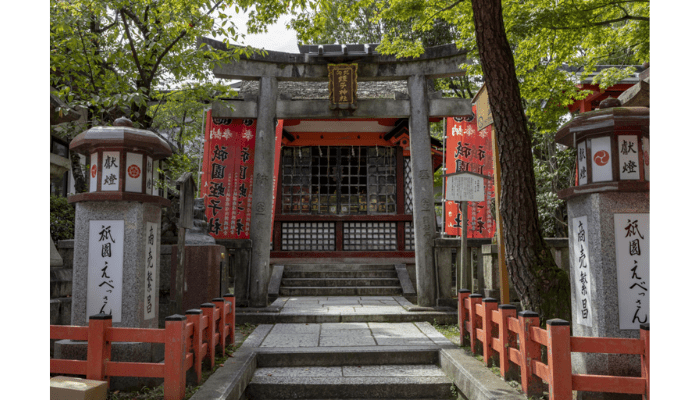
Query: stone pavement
[(331, 347), (329, 309), (353, 334)]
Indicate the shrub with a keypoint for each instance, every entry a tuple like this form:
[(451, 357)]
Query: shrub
[(62, 219)]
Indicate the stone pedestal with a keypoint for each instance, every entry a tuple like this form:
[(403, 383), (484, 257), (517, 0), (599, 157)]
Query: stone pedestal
[(133, 286), (602, 279), (608, 215)]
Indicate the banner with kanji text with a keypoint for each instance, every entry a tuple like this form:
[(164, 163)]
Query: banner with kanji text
[(468, 149)]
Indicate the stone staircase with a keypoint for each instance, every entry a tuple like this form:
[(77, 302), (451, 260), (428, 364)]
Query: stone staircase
[(348, 375), (340, 280)]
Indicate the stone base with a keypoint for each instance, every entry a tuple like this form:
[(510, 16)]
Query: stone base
[(69, 388), (121, 351)]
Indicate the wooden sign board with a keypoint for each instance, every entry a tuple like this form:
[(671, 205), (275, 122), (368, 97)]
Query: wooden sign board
[(465, 187), (342, 84), (484, 117)]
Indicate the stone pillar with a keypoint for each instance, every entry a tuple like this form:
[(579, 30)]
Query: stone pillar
[(422, 177), (261, 223)]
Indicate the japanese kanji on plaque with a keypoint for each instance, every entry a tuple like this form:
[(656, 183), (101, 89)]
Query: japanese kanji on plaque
[(342, 84), (151, 266), (582, 271), (632, 259), (105, 269)]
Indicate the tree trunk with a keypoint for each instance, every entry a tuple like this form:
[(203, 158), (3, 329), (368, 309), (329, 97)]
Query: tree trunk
[(540, 284)]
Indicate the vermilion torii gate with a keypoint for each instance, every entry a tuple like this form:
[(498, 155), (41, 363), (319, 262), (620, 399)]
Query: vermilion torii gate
[(312, 65)]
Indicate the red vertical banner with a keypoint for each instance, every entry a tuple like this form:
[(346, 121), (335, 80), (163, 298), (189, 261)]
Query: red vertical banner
[(275, 177), (469, 150), (228, 175)]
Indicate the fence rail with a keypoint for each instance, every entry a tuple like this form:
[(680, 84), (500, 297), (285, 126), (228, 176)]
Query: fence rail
[(517, 339), (188, 340)]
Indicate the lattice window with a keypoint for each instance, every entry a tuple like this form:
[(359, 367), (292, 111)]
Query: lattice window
[(407, 186), (308, 236), (338, 180), (409, 240), (381, 180), (369, 236)]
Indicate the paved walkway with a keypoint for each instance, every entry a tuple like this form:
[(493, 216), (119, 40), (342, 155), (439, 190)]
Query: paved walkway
[(327, 309), (352, 334)]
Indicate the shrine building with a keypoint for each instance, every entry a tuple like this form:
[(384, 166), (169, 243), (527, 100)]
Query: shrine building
[(327, 154)]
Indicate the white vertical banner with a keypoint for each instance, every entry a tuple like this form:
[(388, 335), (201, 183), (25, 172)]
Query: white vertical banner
[(110, 171), (628, 156), (93, 172), (155, 178), (645, 157), (601, 164), (149, 175), (151, 272), (582, 164), (581, 270), (134, 173), (105, 269), (632, 259)]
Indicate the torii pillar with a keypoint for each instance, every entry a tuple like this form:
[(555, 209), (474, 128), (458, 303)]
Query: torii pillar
[(264, 164), (422, 171)]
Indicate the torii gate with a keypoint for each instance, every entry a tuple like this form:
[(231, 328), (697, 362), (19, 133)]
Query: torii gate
[(312, 66)]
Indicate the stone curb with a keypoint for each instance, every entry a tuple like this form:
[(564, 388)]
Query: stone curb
[(229, 382), (473, 379)]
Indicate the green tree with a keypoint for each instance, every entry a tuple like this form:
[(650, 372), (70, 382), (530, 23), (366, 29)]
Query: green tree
[(520, 50), (116, 57)]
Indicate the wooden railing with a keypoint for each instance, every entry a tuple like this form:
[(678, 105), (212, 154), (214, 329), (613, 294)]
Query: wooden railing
[(188, 341), (517, 338)]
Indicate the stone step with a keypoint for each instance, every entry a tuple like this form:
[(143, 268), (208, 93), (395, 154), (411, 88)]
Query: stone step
[(339, 282), (340, 291), (340, 274), (339, 267), (350, 382)]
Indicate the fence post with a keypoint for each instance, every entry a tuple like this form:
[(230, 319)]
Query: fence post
[(644, 336), (529, 351), (99, 349), (195, 317), (208, 310), (462, 296), (474, 321), (219, 302), (175, 351), (508, 340), (559, 359), (232, 316), (490, 305)]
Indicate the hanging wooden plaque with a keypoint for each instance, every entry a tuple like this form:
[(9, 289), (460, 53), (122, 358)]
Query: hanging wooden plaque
[(342, 85), (484, 117)]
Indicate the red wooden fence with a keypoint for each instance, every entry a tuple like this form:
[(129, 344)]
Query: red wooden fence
[(188, 340), (517, 340)]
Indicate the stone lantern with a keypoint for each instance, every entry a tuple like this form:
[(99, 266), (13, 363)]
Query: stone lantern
[(117, 241), (117, 226), (608, 216)]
